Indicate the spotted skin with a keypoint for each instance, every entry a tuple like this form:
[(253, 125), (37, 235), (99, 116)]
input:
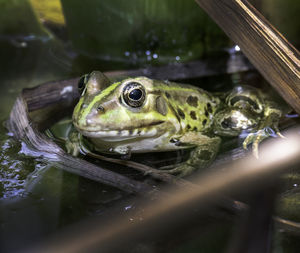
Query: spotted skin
[(140, 115)]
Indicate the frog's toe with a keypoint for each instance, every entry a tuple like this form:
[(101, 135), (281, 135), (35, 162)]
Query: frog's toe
[(255, 148), (249, 139), (72, 148), (274, 131), (278, 133), (256, 138)]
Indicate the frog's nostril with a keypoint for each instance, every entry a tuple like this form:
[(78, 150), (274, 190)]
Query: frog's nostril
[(100, 109)]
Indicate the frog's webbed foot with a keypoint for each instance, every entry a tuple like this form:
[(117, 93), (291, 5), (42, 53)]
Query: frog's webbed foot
[(257, 137)]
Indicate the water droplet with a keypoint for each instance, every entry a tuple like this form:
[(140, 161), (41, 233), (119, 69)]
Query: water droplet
[(237, 48), (155, 56), (127, 208)]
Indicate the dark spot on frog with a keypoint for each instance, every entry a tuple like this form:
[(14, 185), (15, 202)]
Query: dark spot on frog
[(161, 106), (175, 141), (180, 113), (209, 108), (195, 129), (167, 95), (139, 132), (206, 112), (188, 126), (246, 100), (126, 156), (205, 155), (193, 115), (204, 122), (192, 101), (227, 123), (100, 109)]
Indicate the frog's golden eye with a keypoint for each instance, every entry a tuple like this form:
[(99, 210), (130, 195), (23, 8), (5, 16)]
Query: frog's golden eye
[(82, 84), (134, 94)]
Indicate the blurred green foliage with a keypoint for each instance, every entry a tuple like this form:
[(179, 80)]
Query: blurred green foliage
[(18, 18)]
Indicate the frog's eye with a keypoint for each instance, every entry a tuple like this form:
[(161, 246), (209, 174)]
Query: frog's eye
[(134, 94), (82, 84)]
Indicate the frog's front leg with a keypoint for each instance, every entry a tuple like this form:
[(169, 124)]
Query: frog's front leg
[(203, 154), (73, 142), (76, 144)]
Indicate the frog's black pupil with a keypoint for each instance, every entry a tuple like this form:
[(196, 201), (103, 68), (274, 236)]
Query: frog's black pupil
[(135, 94)]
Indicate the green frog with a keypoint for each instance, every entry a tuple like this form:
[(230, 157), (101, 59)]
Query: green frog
[(138, 115)]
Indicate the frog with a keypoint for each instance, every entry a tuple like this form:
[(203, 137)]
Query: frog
[(141, 115)]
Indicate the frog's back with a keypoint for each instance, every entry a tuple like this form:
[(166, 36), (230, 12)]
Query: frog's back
[(193, 106)]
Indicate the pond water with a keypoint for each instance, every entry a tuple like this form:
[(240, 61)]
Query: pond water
[(38, 200)]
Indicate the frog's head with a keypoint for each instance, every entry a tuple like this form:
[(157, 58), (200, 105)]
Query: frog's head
[(122, 110)]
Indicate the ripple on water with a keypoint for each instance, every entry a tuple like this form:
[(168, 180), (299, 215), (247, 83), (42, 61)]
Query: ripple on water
[(14, 169)]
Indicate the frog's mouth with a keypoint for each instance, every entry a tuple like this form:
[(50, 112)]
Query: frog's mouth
[(143, 131)]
